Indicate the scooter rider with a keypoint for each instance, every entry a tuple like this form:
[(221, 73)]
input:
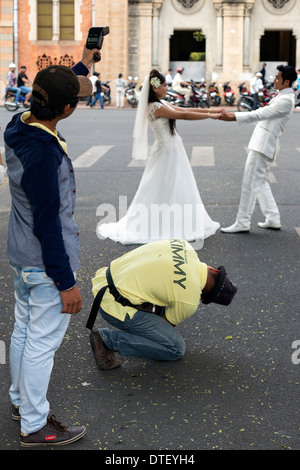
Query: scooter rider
[(181, 86)]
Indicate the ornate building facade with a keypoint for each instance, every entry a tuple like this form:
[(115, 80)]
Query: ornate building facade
[(219, 39)]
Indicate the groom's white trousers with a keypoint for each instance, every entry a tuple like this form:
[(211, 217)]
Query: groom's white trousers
[(255, 186)]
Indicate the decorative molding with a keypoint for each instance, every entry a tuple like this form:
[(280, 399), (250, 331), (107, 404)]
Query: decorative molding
[(278, 3), (188, 7), (279, 7), (188, 3)]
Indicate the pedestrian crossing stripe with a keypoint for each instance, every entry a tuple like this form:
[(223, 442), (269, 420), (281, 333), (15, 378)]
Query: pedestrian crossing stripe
[(91, 156), (203, 156)]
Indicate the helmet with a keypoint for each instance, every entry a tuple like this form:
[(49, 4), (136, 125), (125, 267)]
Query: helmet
[(12, 66), (180, 69)]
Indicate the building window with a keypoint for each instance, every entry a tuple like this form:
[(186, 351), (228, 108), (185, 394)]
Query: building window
[(66, 19), (44, 19), (55, 20)]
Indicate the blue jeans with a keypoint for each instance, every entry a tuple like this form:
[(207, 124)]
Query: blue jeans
[(25, 89), (98, 96), (15, 89), (145, 335), (38, 331)]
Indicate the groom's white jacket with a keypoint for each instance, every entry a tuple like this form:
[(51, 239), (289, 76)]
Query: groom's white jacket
[(272, 121)]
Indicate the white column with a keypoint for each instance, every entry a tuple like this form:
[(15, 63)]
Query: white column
[(156, 10), (55, 20), (219, 35), (246, 60)]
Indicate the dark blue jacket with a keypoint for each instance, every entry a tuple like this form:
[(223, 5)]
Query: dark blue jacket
[(42, 231)]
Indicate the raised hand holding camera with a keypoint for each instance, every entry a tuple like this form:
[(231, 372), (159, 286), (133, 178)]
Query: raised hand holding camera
[(95, 40)]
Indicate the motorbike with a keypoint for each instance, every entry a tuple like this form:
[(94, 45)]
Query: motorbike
[(245, 101), (199, 97), (214, 94), (9, 101), (106, 93), (130, 92), (228, 94), (175, 98)]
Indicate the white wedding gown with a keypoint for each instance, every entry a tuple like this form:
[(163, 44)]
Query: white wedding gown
[(167, 203)]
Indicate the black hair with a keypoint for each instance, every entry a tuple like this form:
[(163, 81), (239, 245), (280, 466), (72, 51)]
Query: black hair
[(288, 73), (153, 98), (45, 113)]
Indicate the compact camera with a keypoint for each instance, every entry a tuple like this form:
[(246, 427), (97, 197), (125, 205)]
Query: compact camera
[(95, 39)]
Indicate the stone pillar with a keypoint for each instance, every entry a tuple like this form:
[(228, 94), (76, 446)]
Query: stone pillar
[(233, 39), (140, 38), (219, 35), (246, 51), (55, 20), (155, 21)]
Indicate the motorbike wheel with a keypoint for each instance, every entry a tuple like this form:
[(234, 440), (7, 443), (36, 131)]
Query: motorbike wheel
[(216, 101), (134, 103), (10, 104), (245, 104), (204, 104)]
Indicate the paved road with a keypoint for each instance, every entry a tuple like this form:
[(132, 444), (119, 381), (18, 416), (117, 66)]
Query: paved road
[(237, 386)]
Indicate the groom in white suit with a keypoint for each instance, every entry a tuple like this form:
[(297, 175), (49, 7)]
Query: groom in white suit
[(263, 147)]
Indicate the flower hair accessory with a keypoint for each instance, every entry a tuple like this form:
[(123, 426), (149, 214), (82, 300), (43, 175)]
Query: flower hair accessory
[(155, 81)]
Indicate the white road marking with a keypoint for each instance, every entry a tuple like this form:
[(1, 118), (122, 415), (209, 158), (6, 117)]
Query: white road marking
[(91, 156), (203, 156)]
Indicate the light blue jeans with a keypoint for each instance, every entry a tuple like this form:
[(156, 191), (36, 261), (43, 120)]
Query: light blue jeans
[(17, 90), (145, 335), (38, 331)]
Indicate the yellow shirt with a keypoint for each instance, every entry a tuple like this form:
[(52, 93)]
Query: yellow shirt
[(27, 114), (166, 273)]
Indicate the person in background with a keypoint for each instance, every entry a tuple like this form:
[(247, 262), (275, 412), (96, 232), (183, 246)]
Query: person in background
[(99, 88), (263, 73), (169, 77), (120, 91), (255, 85), (181, 86), (12, 82), (93, 79), (23, 83)]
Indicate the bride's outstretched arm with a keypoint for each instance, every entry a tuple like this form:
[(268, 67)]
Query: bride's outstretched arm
[(190, 114)]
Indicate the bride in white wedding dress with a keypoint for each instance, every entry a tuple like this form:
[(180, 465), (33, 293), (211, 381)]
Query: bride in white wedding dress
[(167, 203)]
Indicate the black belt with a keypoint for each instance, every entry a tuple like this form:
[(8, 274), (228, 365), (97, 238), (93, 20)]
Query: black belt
[(145, 307)]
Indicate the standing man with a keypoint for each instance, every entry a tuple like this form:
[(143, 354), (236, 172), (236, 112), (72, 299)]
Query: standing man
[(120, 91), (255, 84), (263, 73), (145, 293), (263, 146), (43, 246), (181, 86)]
